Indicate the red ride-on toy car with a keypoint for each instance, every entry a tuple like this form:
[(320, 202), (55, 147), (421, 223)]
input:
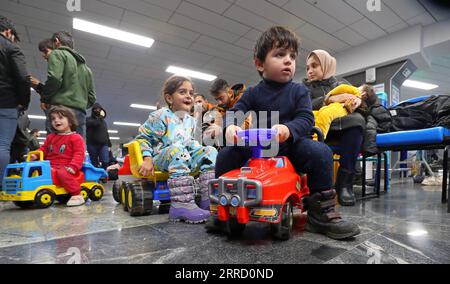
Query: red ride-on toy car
[(265, 190)]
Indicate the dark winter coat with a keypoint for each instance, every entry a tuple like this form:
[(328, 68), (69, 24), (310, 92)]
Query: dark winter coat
[(14, 81), (319, 89), (379, 120), (97, 129), (69, 81), (432, 112)]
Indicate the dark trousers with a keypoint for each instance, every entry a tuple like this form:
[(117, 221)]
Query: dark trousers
[(99, 154), (350, 143), (307, 156)]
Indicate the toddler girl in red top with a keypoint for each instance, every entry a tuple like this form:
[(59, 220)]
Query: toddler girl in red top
[(65, 150)]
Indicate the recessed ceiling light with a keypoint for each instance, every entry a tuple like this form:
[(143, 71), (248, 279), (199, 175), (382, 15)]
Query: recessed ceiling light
[(113, 131), (113, 33), (420, 85), (190, 73), (143, 106), (418, 233), (127, 124), (40, 117)]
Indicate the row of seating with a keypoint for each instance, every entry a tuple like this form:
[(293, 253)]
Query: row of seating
[(416, 140)]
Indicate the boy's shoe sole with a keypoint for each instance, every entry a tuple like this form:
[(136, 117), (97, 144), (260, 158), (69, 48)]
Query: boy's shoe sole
[(188, 221), (312, 229)]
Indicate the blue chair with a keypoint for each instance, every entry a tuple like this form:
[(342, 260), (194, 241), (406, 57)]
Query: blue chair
[(416, 140)]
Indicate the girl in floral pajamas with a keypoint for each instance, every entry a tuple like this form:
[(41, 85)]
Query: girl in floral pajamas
[(167, 144)]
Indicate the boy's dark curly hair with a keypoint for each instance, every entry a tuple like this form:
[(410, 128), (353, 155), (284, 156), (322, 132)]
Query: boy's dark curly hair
[(275, 37)]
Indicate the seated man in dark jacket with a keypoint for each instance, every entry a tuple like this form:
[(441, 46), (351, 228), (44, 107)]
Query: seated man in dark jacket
[(98, 142)]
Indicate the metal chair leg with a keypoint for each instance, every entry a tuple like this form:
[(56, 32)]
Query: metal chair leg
[(363, 174), (445, 178), (386, 172), (378, 174)]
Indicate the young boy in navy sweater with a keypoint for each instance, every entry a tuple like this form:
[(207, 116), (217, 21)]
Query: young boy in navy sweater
[(275, 57)]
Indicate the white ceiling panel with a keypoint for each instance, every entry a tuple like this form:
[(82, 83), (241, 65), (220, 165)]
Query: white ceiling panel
[(245, 43), (152, 26), (339, 10), (271, 11), (322, 37), (279, 3), (398, 27), (202, 28), (424, 19), (350, 37), (384, 19), (368, 29), (218, 6), (313, 15), (405, 9), (144, 8), (250, 19), (223, 46), (211, 18), (167, 4)]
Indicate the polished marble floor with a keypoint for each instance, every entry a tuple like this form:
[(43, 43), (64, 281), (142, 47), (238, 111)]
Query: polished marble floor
[(409, 225)]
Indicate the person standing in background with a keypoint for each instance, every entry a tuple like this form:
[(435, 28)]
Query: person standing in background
[(14, 88), (69, 80), (98, 142)]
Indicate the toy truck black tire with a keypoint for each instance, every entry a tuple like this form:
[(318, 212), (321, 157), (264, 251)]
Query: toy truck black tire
[(96, 193), (116, 192), (44, 199), (283, 230), (139, 201)]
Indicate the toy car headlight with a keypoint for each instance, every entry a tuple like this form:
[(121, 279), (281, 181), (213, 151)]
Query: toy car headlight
[(235, 201), (223, 200)]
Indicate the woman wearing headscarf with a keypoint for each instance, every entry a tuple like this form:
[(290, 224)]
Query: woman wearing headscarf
[(346, 132)]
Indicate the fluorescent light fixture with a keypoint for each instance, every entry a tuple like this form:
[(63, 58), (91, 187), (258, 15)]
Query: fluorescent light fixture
[(108, 32), (127, 124), (43, 132), (190, 73), (420, 85), (418, 233), (114, 138), (41, 143), (41, 138), (40, 117), (113, 131), (143, 106)]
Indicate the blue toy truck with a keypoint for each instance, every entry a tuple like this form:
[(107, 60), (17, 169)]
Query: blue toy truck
[(138, 194), (35, 184)]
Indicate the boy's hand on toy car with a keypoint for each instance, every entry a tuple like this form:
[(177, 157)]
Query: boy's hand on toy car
[(147, 168), (231, 134), (33, 157), (283, 133)]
